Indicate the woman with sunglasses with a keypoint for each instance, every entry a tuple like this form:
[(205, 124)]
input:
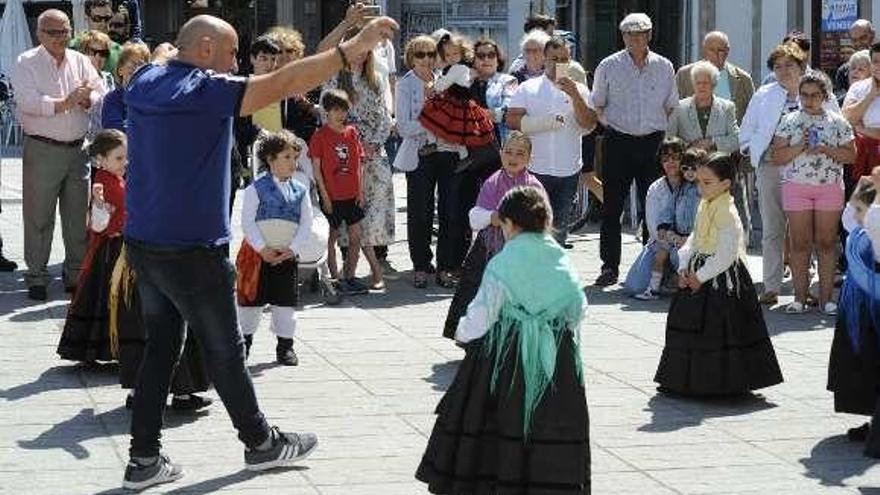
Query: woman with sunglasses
[(426, 169), (811, 147), (96, 45)]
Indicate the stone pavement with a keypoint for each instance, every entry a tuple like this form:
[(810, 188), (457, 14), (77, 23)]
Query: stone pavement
[(371, 373)]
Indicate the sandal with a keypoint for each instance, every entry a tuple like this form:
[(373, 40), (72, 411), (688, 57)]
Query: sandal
[(377, 286), (795, 308), (769, 298), (420, 280)]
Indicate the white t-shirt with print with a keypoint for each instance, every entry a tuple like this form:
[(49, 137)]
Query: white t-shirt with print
[(856, 93), (814, 169)]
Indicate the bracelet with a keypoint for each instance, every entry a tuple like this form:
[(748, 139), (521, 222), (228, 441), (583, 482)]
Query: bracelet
[(341, 53)]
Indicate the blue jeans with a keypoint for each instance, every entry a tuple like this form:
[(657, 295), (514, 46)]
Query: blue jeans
[(561, 192), (194, 287)]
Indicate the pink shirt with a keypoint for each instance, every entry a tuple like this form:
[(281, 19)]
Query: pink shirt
[(38, 82)]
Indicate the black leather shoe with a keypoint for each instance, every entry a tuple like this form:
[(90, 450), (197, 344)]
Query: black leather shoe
[(248, 341), (608, 277), (37, 293), (192, 403), (284, 352), (7, 265)]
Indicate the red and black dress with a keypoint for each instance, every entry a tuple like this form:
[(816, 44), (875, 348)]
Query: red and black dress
[(86, 335), (455, 117)]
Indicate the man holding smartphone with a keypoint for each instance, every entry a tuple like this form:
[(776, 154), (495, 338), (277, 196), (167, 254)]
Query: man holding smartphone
[(553, 111)]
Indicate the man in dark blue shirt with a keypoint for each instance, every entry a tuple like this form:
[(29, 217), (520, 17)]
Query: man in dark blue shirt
[(177, 233)]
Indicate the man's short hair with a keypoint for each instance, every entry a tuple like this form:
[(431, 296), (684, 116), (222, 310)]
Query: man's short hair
[(539, 21), (554, 43), (335, 99), (91, 4), (264, 44)]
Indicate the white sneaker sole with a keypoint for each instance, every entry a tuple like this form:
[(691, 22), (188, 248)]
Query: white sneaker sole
[(132, 486), (277, 463)]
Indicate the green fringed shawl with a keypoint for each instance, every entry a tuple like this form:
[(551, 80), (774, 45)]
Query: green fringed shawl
[(546, 300)]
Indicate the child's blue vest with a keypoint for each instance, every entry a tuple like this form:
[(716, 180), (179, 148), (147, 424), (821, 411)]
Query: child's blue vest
[(273, 205), (687, 199)]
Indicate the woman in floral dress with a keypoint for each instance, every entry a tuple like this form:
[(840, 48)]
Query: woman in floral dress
[(370, 115)]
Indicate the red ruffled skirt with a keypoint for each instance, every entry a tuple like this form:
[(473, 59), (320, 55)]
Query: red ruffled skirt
[(457, 121)]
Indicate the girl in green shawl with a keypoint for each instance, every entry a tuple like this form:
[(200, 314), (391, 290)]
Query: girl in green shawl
[(515, 418)]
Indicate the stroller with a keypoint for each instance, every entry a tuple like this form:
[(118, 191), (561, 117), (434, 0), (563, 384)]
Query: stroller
[(313, 259)]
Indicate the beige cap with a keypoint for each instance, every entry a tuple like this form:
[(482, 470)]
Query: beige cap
[(636, 22)]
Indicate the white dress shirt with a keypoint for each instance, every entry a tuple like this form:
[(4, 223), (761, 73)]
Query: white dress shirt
[(249, 219)]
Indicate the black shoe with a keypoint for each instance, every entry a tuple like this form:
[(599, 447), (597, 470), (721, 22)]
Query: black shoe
[(286, 450), (140, 476), (129, 402), (859, 434), (248, 342), (567, 245), (7, 265), (37, 293), (287, 357), (608, 277), (190, 404)]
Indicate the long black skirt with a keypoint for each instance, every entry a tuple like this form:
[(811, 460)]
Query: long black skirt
[(191, 374), (477, 445), (86, 335), (717, 341), (853, 377), (471, 276)]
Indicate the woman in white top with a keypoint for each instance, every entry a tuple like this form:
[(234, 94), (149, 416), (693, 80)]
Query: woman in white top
[(769, 104), (811, 147), (862, 109)]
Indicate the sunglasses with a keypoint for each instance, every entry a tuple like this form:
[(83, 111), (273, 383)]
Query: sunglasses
[(99, 53), (688, 168), (56, 33), (425, 54), (486, 55), (101, 18)]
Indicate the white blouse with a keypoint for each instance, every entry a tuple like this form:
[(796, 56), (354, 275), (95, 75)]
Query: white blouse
[(252, 231)]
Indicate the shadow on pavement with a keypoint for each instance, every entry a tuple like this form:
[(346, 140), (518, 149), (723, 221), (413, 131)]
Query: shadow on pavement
[(672, 413), (63, 377), (216, 484), (442, 374), (258, 369), (86, 425), (834, 459)]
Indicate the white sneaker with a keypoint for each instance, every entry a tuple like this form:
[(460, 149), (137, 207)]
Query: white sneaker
[(648, 295), (830, 309)]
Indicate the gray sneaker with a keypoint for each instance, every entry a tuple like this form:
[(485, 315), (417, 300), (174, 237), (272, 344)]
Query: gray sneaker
[(140, 476), (287, 449)]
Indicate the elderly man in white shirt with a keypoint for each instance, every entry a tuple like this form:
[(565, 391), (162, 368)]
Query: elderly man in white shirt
[(635, 90), (553, 111)]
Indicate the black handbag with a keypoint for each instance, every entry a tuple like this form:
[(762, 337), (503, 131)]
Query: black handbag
[(687, 311)]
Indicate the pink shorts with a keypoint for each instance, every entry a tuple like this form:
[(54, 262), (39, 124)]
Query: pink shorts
[(809, 197)]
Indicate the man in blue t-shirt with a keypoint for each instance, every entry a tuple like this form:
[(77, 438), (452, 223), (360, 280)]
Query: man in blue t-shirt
[(177, 233)]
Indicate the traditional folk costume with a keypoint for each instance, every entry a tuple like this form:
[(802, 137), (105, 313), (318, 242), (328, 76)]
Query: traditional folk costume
[(86, 335), (854, 366), (453, 116), (716, 338), (488, 242), (275, 214), (515, 418)]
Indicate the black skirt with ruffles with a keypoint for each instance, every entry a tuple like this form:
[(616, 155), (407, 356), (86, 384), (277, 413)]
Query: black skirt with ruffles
[(477, 446), (854, 377), (716, 339)]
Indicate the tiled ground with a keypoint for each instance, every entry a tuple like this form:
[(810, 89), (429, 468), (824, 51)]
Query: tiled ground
[(371, 371)]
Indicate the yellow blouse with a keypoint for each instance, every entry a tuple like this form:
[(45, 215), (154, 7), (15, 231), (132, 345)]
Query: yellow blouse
[(712, 217)]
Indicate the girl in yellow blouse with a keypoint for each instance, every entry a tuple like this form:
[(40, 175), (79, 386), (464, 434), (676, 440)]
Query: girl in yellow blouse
[(716, 338)]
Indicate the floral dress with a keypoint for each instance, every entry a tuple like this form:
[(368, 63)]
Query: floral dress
[(369, 114)]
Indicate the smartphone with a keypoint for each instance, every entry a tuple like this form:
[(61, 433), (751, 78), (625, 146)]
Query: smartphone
[(562, 70), (372, 11), (813, 137)]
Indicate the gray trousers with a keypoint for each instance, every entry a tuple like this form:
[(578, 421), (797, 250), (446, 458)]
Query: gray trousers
[(53, 174), (772, 224)]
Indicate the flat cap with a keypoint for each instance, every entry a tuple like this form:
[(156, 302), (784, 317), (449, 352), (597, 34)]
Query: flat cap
[(635, 22)]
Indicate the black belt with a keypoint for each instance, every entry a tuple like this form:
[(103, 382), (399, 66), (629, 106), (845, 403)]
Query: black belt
[(69, 144), (614, 132)]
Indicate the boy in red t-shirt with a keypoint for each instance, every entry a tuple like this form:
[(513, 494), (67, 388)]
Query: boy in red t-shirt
[(336, 153)]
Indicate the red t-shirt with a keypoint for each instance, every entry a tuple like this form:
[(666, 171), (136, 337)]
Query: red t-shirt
[(340, 155)]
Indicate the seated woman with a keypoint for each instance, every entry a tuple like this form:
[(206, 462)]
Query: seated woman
[(517, 404), (660, 195)]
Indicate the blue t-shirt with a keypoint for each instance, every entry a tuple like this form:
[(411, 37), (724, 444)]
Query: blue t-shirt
[(179, 147)]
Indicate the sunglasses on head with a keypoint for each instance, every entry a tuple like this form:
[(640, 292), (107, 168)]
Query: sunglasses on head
[(486, 55), (101, 18), (425, 54)]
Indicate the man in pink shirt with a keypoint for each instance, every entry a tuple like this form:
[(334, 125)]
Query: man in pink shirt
[(54, 88)]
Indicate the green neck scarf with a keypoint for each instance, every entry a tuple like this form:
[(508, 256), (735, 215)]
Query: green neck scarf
[(546, 300)]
